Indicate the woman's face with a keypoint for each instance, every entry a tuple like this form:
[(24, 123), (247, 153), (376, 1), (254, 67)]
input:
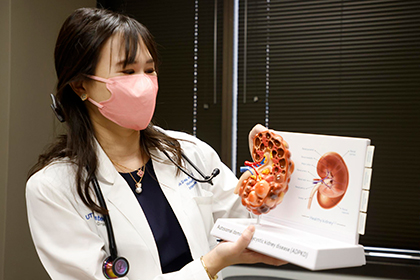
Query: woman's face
[(111, 64)]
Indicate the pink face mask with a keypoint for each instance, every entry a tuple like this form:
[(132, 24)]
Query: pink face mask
[(132, 102)]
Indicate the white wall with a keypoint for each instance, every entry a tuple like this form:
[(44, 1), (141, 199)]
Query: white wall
[(28, 30)]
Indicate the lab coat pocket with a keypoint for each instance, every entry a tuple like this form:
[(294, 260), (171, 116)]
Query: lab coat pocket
[(205, 204)]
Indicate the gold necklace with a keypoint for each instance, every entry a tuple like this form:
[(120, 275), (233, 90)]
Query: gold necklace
[(140, 173)]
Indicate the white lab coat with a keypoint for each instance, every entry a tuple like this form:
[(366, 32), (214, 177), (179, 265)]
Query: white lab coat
[(72, 243)]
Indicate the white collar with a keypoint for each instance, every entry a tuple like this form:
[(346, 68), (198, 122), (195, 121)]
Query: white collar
[(106, 170)]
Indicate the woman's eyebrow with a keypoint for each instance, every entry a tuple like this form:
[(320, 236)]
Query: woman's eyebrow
[(123, 62), (150, 60)]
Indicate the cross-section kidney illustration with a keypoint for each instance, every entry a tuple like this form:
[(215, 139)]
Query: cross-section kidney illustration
[(333, 181)]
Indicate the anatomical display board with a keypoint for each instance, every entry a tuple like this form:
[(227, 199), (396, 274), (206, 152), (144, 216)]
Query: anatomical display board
[(317, 222)]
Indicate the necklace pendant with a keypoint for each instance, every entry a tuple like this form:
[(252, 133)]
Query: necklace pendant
[(140, 173), (138, 188)]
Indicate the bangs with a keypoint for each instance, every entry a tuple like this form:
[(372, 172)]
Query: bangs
[(135, 35)]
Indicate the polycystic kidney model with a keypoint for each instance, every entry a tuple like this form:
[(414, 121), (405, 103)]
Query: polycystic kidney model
[(265, 181), (333, 183)]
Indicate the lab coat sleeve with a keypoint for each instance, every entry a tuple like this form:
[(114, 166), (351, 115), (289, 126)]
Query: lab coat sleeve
[(54, 221), (225, 203)]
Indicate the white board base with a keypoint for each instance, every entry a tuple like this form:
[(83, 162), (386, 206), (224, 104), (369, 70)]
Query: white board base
[(301, 248)]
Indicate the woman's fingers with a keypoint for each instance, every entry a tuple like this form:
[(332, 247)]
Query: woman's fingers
[(254, 257), (243, 241), (228, 253), (249, 256)]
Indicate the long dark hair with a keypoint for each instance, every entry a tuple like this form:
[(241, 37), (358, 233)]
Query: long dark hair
[(76, 55)]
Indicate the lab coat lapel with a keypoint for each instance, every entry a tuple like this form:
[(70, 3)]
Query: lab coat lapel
[(118, 193), (184, 207)]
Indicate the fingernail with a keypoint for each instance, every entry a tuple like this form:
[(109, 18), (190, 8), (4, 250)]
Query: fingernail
[(248, 232), (251, 228)]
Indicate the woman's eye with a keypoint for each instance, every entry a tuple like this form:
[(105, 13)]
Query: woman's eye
[(150, 71), (128, 71)]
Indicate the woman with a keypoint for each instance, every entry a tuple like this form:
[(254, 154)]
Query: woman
[(107, 86)]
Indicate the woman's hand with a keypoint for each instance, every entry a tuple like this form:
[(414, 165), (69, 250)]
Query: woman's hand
[(228, 253)]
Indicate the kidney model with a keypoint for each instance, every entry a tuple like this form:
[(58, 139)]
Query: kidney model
[(265, 181)]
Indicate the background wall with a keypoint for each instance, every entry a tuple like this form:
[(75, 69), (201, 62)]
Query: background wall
[(28, 30), (4, 118)]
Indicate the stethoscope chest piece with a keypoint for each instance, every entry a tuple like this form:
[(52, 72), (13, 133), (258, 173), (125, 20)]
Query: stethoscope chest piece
[(115, 268)]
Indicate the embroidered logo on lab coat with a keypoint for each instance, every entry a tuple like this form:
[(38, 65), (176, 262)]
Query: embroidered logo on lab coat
[(190, 183), (99, 219)]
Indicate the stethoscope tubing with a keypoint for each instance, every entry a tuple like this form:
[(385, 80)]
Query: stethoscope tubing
[(207, 179), (107, 219)]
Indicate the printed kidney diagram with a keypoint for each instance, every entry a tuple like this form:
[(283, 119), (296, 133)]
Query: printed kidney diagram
[(333, 181), (265, 181)]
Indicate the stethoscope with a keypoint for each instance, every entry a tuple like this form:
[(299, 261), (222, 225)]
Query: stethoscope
[(114, 266)]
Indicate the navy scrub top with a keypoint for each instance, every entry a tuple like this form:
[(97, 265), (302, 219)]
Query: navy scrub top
[(174, 252)]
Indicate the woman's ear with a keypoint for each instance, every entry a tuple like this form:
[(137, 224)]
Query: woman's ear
[(79, 88)]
